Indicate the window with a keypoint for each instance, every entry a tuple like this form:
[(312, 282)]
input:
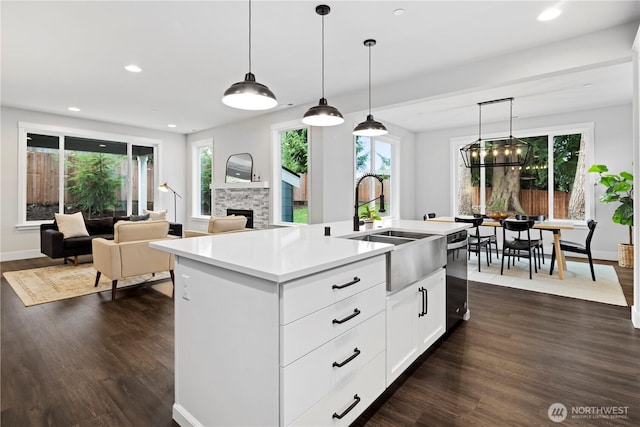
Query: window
[(69, 170), (292, 175), (373, 155), (553, 183), (202, 159)]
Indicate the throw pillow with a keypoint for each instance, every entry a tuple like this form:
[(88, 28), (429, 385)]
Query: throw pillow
[(157, 215), (139, 217), (71, 225), (230, 223)]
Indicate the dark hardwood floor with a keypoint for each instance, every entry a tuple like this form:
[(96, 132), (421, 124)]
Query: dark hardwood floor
[(90, 361)]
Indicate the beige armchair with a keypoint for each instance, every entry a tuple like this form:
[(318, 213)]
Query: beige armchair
[(129, 254), (217, 225)]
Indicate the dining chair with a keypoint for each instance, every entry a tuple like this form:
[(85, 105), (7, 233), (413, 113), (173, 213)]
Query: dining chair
[(585, 249), (539, 241), (518, 246), (493, 238), (475, 243)]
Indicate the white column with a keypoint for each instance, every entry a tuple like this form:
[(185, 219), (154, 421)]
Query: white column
[(635, 309), (142, 184)]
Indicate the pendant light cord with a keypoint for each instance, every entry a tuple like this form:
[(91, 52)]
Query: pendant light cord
[(323, 56), (479, 122), (249, 35), (511, 118), (369, 79)]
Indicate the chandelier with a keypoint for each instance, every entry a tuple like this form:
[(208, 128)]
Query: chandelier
[(496, 152)]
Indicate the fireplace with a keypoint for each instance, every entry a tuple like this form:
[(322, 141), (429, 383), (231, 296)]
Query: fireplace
[(251, 197), (244, 212)]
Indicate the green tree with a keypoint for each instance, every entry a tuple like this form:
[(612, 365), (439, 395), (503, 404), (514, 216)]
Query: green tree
[(385, 166), (566, 150), (93, 182), (362, 156), (295, 150), (205, 181)]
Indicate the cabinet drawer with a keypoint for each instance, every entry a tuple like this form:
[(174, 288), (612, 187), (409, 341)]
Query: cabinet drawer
[(303, 296), (357, 393), (302, 336), (313, 376)]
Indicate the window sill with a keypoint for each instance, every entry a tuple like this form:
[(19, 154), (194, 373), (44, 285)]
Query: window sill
[(28, 227)]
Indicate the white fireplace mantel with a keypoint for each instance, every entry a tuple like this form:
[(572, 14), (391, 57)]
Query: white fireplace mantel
[(253, 184)]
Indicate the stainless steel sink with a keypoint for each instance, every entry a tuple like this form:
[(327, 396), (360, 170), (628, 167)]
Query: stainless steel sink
[(382, 239), (415, 255), (400, 233)]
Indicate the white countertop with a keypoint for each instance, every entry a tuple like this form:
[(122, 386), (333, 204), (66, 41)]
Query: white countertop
[(283, 254)]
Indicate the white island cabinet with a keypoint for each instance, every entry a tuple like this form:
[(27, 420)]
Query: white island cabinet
[(295, 336), (290, 327)]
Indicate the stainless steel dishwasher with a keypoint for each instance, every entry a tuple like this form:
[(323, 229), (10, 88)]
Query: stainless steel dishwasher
[(456, 277)]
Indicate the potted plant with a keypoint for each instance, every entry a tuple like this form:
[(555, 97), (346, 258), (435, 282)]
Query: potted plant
[(619, 190), (369, 215)]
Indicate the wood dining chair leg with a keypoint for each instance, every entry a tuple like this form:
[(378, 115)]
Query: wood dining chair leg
[(114, 286)]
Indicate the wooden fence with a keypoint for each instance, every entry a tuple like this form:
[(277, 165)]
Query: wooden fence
[(365, 188), (43, 180), (300, 194), (534, 202)]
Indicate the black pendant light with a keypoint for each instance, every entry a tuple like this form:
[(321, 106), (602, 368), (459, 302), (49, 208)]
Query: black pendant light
[(249, 94), (323, 114), (496, 152), (370, 127)]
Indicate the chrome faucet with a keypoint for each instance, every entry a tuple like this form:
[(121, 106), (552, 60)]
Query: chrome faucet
[(356, 217)]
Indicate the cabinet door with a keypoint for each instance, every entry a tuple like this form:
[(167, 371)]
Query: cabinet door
[(432, 321), (402, 317)]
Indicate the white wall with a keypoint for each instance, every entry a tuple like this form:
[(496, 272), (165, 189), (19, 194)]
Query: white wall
[(331, 157), (613, 147), (19, 244)]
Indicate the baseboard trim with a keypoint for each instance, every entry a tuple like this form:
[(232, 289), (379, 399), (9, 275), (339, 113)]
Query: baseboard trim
[(183, 417), (635, 316), (14, 256)]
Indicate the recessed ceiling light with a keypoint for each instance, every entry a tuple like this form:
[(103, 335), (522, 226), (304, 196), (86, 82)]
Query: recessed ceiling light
[(398, 12), (74, 109), (102, 145), (171, 125), (549, 14), (132, 68)]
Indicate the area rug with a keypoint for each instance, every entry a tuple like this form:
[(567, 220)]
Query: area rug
[(577, 281), (47, 284)]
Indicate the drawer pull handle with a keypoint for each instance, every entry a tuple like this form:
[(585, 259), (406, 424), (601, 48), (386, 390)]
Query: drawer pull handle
[(353, 282), (349, 317), (355, 354), (346, 411)]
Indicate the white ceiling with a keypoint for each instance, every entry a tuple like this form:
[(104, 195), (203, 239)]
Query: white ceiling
[(61, 54)]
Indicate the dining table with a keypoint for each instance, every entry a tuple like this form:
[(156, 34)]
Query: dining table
[(555, 227)]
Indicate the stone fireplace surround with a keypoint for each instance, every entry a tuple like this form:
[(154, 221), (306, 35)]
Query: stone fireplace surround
[(250, 195)]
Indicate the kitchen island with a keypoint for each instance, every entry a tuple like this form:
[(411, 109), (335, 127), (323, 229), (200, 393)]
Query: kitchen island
[(287, 326)]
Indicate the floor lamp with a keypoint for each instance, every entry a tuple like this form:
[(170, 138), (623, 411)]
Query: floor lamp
[(165, 187)]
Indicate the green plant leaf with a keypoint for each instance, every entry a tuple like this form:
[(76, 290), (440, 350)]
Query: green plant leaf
[(627, 176), (598, 168), (621, 187)]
